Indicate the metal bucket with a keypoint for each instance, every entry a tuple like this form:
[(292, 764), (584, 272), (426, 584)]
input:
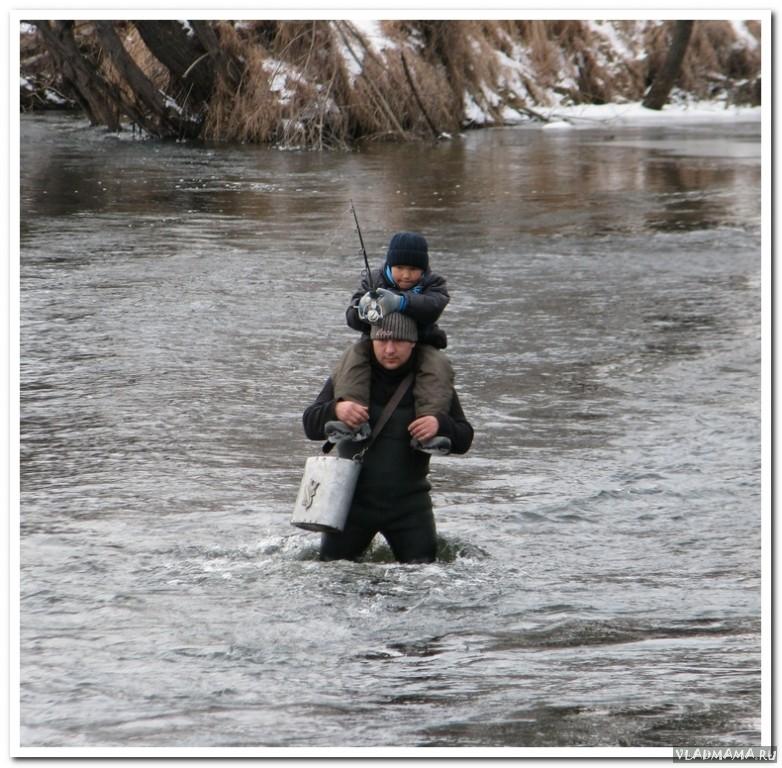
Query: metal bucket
[(326, 493)]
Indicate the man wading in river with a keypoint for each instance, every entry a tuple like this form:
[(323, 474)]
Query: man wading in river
[(392, 494)]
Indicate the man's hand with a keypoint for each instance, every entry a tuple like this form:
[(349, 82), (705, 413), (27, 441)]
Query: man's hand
[(353, 414), (424, 428)]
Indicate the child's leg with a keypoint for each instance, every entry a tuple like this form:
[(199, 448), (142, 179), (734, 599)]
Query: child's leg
[(433, 382), (352, 374)]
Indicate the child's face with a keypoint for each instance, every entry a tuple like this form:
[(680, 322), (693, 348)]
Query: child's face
[(405, 276)]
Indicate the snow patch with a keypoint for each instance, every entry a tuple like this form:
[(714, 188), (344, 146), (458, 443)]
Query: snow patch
[(372, 32), (473, 114), (278, 79), (745, 36), (635, 112), (558, 125), (170, 103), (55, 98)]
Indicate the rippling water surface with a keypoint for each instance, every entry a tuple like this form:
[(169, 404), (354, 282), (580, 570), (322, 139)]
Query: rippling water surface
[(598, 580)]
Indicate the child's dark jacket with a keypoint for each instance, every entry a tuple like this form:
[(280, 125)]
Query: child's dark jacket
[(424, 304)]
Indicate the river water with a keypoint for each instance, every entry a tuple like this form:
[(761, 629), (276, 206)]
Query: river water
[(598, 580)]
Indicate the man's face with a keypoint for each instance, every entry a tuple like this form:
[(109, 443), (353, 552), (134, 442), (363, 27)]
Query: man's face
[(392, 353)]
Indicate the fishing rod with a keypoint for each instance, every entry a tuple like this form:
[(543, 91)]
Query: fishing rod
[(369, 308), (363, 249)]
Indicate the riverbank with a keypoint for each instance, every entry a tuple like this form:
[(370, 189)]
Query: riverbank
[(324, 84)]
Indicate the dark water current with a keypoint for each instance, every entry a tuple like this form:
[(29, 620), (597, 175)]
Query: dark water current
[(599, 573)]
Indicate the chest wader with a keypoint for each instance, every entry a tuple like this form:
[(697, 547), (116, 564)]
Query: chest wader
[(391, 498), (326, 490)]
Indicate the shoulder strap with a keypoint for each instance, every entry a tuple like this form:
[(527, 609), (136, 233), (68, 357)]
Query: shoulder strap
[(391, 405)]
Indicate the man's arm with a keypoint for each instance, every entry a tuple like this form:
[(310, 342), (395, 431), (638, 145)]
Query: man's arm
[(455, 426), (326, 408), (321, 411)]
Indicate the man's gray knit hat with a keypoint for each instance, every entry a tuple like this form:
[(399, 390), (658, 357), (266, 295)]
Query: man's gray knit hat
[(397, 326)]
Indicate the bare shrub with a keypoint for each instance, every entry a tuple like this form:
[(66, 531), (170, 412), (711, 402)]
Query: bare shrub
[(629, 72), (287, 89), (247, 112), (464, 52), (714, 58), (147, 63), (323, 84), (543, 52)]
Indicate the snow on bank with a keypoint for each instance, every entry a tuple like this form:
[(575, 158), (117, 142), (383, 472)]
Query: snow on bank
[(370, 32), (611, 115), (593, 115)]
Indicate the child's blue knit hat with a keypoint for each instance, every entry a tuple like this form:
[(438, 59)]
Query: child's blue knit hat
[(409, 249)]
